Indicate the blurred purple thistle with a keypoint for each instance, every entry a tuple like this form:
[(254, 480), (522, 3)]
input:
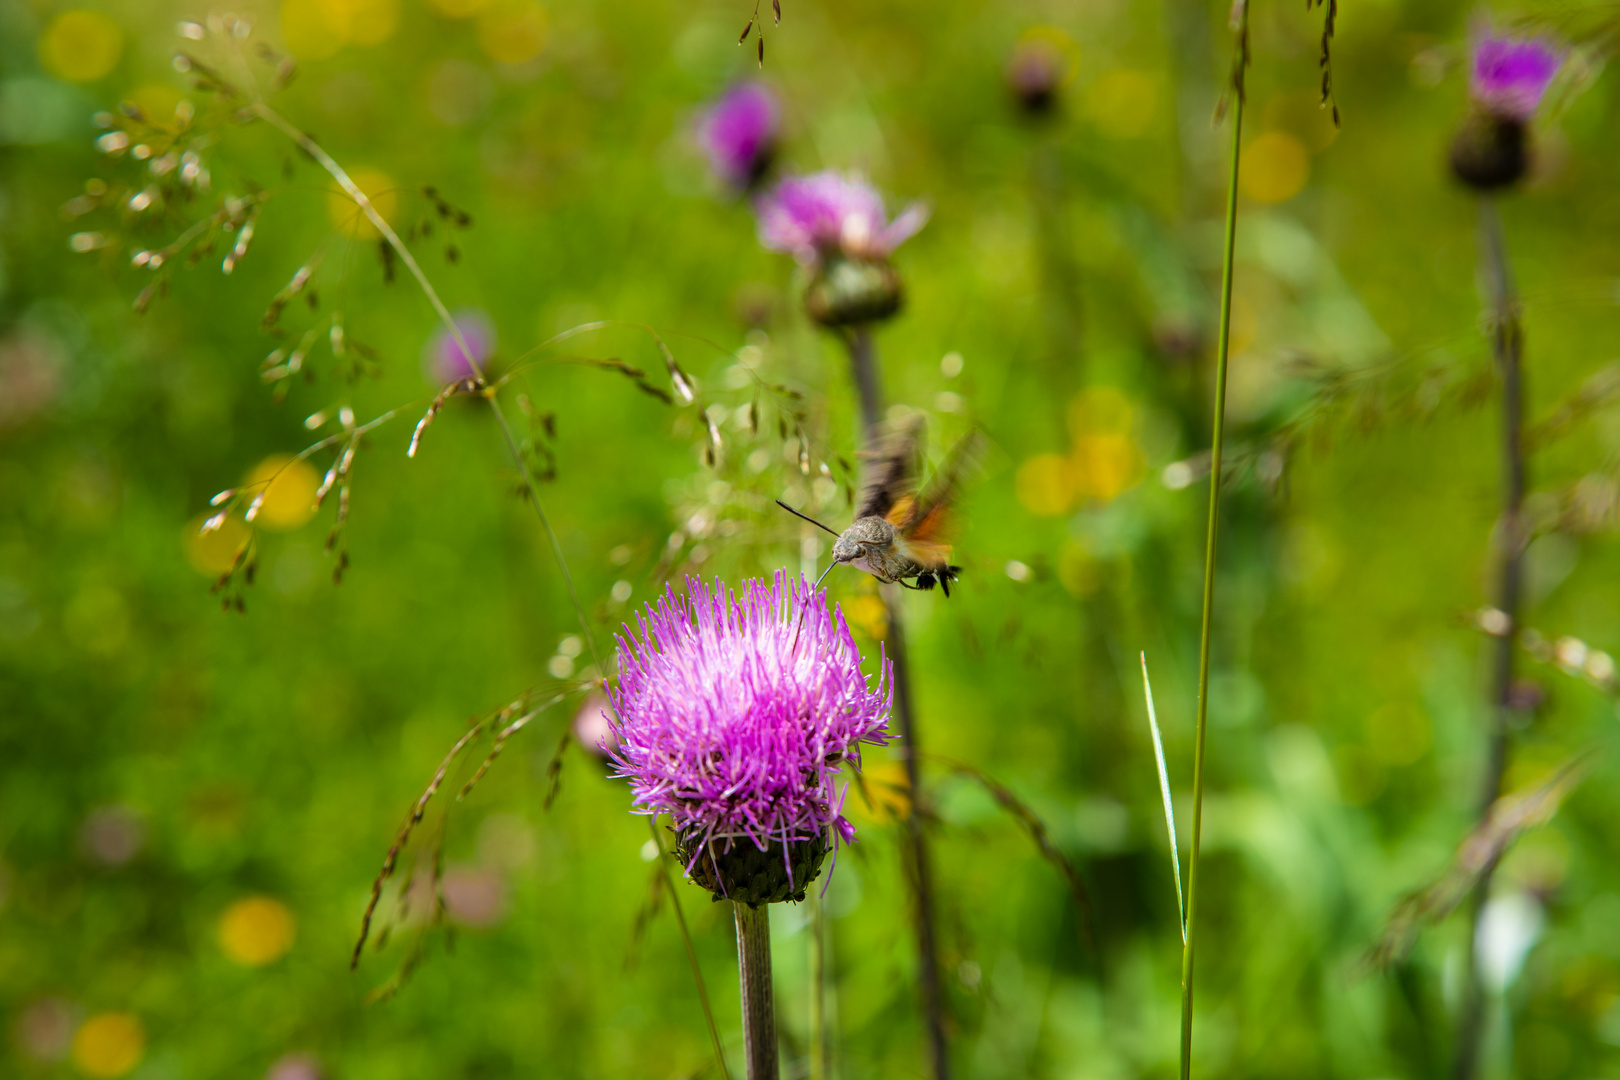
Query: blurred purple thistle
[(738, 134), (736, 712), (829, 213), (1509, 76), (442, 359)]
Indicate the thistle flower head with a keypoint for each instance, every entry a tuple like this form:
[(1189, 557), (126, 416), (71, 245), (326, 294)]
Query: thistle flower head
[(830, 213), (738, 133), (442, 358), (736, 712), (1509, 76)]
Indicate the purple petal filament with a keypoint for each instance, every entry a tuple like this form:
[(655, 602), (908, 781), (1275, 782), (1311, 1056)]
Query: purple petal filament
[(1510, 76), (829, 211), (738, 133), (736, 711)]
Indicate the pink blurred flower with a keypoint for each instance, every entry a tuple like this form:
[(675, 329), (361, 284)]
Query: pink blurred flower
[(738, 133), (832, 213), (442, 359), (1509, 76)]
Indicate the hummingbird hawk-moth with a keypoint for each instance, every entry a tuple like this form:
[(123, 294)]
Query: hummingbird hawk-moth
[(899, 530)]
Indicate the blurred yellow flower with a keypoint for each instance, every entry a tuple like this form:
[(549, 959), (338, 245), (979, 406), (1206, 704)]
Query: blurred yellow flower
[(317, 29), (1275, 167), (1106, 466), (289, 501), (109, 1044), (80, 46), (867, 614), (214, 552), (1123, 103), (257, 931), (887, 795), (345, 213), (512, 31), (1045, 484)]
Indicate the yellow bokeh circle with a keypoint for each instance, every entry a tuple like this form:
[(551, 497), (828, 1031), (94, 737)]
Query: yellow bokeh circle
[(1045, 484), (512, 31), (1105, 466), (867, 614), (108, 1045), (289, 500), (346, 213), (257, 930), (1275, 167), (317, 29), (214, 552), (81, 46)]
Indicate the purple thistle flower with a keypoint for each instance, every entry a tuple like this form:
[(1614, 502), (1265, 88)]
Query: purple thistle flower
[(828, 212), (736, 712), (1510, 76), (442, 359), (738, 133)]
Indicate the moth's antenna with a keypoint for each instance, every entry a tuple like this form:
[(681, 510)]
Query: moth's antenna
[(800, 624), (824, 574), (806, 517)]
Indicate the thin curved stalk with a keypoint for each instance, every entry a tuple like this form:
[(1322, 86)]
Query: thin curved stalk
[(352, 190), (691, 953), (1206, 623)]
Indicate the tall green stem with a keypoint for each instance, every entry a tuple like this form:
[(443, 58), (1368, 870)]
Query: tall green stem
[(818, 987), (361, 200), (1507, 346), (758, 999), (864, 365), (1205, 632)]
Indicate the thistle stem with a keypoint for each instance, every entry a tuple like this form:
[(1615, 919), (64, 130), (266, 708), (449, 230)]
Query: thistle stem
[(864, 367), (1206, 625), (818, 987), (353, 191), (758, 1007), (1507, 345)]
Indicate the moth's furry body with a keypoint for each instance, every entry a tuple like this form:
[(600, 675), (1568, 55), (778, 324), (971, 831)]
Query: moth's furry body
[(876, 546)]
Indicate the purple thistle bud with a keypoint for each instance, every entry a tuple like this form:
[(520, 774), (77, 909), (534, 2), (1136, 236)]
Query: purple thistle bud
[(1510, 76), (735, 714), (442, 359), (738, 133), (829, 213)]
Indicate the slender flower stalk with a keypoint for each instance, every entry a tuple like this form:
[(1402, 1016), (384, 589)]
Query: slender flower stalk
[(818, 988), (1207, 621), (864, 372), (1507, 347), (466, 350)]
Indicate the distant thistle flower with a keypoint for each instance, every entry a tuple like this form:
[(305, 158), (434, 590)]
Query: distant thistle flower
[(1508, 77), (442, 359), (836, 224), (735, 714), (738, 134), (1037, 71)]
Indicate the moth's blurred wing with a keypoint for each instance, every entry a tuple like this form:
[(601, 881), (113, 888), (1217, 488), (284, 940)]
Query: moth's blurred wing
[(891, 469), (929, 517)]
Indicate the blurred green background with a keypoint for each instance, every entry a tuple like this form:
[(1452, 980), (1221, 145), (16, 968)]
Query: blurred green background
[(193, 803)]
